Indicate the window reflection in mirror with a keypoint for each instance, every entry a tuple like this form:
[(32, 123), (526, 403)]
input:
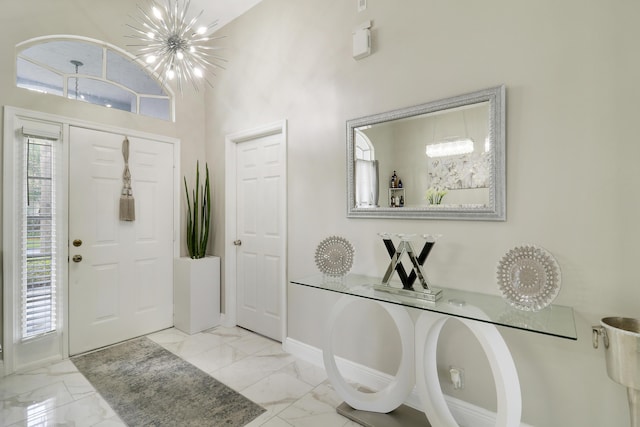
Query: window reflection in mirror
[(366, 169)]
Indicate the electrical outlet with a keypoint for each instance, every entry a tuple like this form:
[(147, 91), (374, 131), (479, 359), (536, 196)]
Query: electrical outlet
[(362, 5), (457, 377)]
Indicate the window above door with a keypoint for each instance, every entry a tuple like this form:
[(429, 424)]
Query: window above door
[(91, 71)]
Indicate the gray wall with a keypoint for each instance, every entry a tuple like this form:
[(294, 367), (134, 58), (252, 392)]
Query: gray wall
[(571, 72)]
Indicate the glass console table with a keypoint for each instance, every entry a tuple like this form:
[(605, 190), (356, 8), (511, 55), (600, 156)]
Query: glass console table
[(555, 320), (480, 313)]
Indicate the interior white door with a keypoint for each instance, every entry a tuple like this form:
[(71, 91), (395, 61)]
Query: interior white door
[(261, 222), (122, 287)]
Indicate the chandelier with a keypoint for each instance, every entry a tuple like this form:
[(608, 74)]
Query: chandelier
[(173, 46)]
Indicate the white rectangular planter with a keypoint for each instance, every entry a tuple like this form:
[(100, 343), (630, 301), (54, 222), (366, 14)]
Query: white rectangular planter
[(196, 293)]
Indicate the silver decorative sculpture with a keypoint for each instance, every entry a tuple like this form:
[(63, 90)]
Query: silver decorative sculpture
[(529, 277), (426, 291), (334, 256)]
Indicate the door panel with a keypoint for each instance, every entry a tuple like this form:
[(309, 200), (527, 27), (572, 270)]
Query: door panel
[(123, 286), (261, 169)]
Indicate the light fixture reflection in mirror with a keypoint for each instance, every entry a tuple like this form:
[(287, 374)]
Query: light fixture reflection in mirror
[(453, 147), (456, 166), (450, 148)]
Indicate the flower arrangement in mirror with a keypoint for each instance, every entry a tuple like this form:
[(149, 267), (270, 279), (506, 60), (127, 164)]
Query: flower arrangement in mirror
[(434, 196)]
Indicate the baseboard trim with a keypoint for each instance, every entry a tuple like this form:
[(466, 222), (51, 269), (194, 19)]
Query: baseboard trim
[(465, 413)]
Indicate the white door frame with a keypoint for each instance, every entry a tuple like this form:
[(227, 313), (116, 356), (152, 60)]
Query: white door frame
[(11, 115), (231, 146)]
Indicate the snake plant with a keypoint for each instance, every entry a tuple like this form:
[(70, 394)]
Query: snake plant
[(198, 215)]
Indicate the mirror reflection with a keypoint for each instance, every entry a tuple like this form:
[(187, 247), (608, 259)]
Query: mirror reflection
[(432, 159), (444, 159)]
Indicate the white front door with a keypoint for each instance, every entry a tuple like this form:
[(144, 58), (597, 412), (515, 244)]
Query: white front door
[(260, 233), (122, 287)]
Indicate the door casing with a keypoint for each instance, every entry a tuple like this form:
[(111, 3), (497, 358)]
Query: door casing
[(229, 317), (11, 117)]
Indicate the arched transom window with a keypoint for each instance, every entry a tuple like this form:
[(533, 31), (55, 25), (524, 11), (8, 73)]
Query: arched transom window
[(91, 71), (364, 147)]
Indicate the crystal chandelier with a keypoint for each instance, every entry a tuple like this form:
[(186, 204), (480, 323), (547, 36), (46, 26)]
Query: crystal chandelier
[(451, 147), (174, 47)]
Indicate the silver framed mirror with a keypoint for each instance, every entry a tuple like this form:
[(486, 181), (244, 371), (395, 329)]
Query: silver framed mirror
[(444, 159)]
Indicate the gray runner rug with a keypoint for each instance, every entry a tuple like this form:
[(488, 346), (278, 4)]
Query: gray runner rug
[(147, 385)]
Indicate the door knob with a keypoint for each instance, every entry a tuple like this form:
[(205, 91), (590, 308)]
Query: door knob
[(77, 242), (237, 242), (77, 258)]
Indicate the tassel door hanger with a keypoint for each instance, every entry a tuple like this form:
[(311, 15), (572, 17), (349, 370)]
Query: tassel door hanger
[(127, 203)]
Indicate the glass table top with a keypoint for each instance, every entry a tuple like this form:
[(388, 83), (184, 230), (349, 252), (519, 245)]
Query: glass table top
[(555, 320)]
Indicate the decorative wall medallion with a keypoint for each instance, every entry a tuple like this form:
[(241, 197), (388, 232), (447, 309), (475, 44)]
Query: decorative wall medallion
[(529, 277), (334, 256)]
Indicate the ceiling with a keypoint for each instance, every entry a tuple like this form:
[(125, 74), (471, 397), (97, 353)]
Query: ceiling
[(224, 11)]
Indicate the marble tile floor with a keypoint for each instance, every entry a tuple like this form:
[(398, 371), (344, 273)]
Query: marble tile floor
[(294, 392)]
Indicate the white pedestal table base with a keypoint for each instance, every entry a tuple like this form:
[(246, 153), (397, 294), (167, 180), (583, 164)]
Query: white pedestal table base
[(419, 348)]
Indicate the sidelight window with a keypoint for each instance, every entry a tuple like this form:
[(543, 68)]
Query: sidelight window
[(34, 238), (39, 219)]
